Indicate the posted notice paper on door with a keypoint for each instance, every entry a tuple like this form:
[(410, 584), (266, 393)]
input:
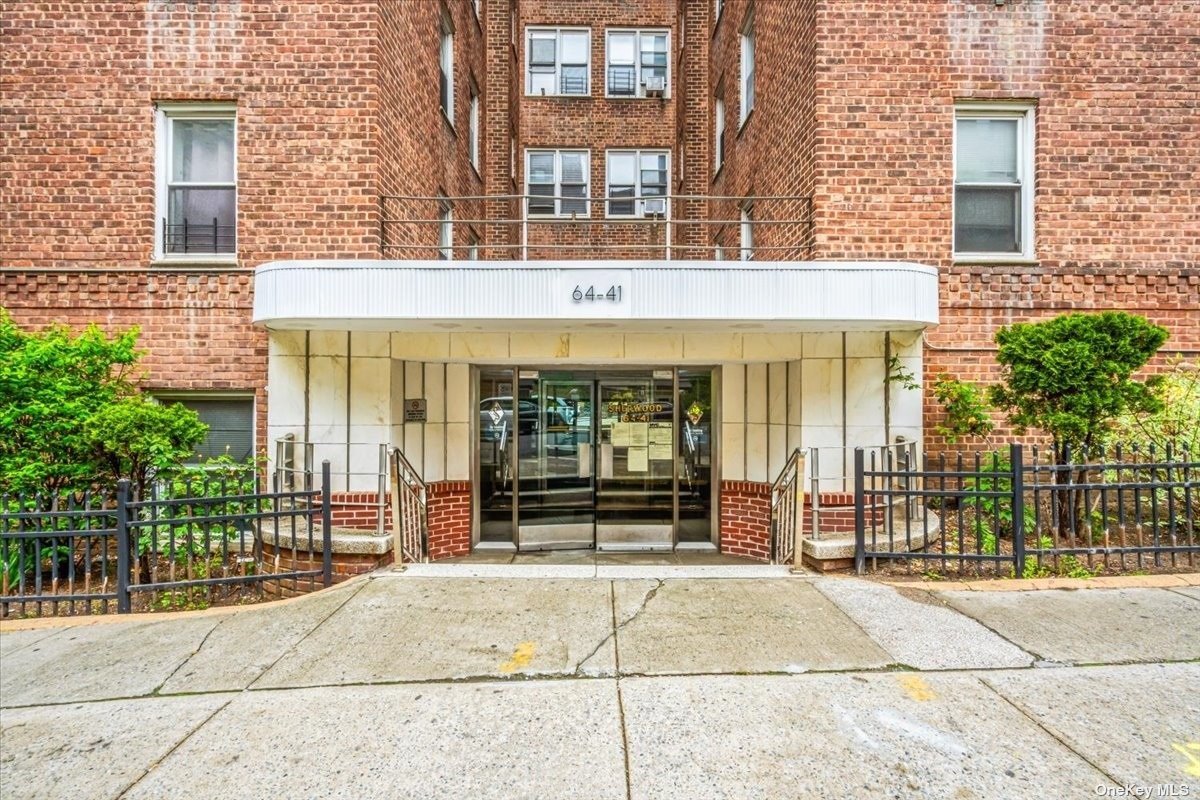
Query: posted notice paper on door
[(638, 459)]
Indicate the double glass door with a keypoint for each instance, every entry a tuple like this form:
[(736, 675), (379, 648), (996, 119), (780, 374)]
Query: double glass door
[(606, 459)]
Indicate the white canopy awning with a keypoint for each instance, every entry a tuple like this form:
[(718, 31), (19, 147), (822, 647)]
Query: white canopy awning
[(582, 295)]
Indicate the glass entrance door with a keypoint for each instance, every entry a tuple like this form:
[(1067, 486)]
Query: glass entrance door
[(611, 459), (636, 462), (556, 475)]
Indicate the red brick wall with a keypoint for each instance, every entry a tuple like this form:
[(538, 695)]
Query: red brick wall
[(421, 151), (81, 80), (595, 122), (357, 511), (449, 516), (746, 519), (345, 567), (771, 155)]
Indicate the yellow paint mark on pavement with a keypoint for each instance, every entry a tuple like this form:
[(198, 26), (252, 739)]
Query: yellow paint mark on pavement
[(521, 657), (1190, 751), (916, 688)]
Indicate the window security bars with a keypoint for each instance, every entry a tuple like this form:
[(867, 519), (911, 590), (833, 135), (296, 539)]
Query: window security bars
[(190, 542), (189, 236), (1122, 509)]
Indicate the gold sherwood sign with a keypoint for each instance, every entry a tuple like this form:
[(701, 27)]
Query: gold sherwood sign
[(635, 412), (635, 408)]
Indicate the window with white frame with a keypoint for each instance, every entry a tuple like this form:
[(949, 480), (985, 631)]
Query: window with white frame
[(557, 182), (557, 61), (230, 421), (472, 245), (637, 63), (197, 180), (473, 129), (445, 230), (993, 180), (718, 250), (747, 72), (637, 182), (446, 77), (718, 134), (718, 7), (747, 253)]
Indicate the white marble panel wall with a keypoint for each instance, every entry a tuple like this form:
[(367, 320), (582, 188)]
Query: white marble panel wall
[(458, 422), (733, 422)]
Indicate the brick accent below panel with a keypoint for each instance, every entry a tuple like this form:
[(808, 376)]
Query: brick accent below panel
[(357, 511), (345, 567), (449, 515), (746, 519)]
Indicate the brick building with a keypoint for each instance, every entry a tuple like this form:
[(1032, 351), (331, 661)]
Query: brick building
[(625, 256)]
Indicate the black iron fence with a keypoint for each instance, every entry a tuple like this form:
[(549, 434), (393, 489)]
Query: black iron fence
[(187, 544), (1028, 512)]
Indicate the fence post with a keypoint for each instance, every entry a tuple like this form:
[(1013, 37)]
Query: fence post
[(123, 545), (1016, 459), (326, 527), (860, 520)]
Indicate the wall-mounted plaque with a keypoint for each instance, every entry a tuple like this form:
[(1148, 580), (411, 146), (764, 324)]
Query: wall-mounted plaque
[(414, 409)]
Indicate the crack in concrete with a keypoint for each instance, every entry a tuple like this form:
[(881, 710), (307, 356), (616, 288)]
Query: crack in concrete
[(154, 764), (1047, 730), (612, 635), (301, 640), (1176, 590), (195, 653), (891, 668)]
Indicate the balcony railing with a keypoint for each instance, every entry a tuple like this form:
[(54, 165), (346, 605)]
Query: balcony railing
[(678, 226)]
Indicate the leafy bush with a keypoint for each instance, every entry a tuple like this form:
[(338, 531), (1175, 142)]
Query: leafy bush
[(137, 439), (1071, 376), (965, 409), (51, 383), (1176, 422)]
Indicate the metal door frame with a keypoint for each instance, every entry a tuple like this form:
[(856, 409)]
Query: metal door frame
[(596, 371)]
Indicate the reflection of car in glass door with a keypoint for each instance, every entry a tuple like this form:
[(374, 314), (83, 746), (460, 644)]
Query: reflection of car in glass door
[(555, 475)]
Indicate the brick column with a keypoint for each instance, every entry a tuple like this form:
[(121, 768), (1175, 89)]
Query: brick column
[(746, 519), (449, 509)]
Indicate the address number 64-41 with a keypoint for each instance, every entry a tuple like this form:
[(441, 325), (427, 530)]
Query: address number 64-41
[(592, 295)]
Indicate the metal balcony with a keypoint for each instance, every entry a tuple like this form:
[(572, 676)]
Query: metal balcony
[(668, 227)]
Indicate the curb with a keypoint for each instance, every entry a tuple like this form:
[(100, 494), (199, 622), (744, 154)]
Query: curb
[(1173, 581), (40, 623)]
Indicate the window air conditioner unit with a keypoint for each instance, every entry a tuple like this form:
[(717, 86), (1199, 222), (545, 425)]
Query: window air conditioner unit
[(655, 85), (654, 207)]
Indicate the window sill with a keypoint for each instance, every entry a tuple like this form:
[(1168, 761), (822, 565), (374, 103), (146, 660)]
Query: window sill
[(622, 97), (718, 172), (213, 261), (587, 96), (449, 121), (968, 259)]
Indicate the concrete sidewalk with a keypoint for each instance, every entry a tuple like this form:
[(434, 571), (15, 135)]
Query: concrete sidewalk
[(405, 686)]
